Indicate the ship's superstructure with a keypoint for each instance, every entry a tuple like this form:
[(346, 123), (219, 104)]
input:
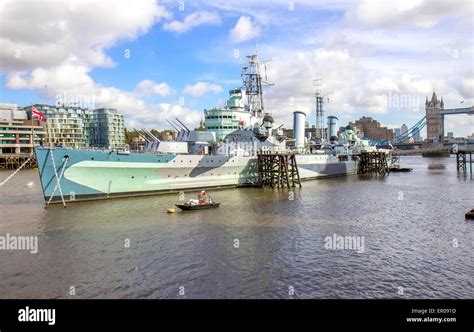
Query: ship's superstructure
[(223, 121), (222, 155)]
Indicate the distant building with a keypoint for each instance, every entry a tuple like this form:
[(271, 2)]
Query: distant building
[(458, 140), (397, 132), (168, 135), (67, 125), (138, 143), (372, 129), (202, 126), (20, 136), (451, 139), (17, 134), (416, 135), (73, 126), (9, 112), (403, 129), (107, 128)]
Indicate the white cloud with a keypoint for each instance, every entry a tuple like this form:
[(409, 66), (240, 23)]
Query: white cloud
[(466, 87), (356, 91), (404, 13), (201, 88), (66, 76), (66, 40), (70, 80), (244, 30), (402, 48), (46, 33), (193, 20), (149, 88)]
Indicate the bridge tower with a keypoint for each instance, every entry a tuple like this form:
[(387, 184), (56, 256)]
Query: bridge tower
[(434, 119)]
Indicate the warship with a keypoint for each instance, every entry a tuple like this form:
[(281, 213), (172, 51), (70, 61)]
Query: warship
[(197, 159)]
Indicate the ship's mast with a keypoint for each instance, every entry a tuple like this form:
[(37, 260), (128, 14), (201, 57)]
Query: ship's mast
[(252, 83), (319, 110), (320, 132)]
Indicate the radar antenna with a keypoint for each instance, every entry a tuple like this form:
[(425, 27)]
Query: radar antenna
[(253, 83)]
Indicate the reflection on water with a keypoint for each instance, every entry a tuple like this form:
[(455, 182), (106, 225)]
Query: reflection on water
[(413, 227)]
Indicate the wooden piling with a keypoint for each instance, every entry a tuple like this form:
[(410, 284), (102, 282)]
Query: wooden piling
[(278, 170), (13, 161), (373, 163), (462, 161)]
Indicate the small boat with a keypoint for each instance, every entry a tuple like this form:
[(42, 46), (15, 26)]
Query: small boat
[(202, 202), (470, 214), (189, 207)]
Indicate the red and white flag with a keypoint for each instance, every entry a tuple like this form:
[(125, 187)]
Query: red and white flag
[(38, 114)]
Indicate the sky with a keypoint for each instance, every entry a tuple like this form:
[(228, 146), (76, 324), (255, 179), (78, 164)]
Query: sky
[(157, 60)]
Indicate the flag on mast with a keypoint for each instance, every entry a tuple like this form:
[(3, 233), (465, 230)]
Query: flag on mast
[(38, 114)]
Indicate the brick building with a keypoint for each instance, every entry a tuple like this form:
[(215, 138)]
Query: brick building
[(372, 129)]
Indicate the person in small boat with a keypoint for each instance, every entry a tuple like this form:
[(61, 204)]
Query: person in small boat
[(204, 198)]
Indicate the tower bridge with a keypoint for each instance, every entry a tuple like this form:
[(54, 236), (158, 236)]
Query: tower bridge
[(434, 122), (435, 113)]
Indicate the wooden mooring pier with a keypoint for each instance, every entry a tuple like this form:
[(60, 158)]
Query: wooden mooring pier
[(463, 161), (278, 170), (373, 163), (13, 161)]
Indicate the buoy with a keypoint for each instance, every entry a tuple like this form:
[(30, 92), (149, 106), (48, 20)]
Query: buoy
[(171, 210)]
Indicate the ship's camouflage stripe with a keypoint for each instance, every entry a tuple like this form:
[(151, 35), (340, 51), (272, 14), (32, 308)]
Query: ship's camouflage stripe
[(209, 163)]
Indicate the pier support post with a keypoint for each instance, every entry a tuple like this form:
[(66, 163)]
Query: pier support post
[(278, 170), (373, 163)]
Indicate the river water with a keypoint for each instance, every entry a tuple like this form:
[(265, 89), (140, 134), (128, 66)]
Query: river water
[(260, 243)]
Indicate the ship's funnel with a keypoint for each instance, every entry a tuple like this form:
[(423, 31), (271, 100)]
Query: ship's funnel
[(332, 128), (299, 119)]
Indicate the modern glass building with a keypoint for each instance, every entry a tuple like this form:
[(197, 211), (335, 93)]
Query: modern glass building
[(107, 128), (79, 127)]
